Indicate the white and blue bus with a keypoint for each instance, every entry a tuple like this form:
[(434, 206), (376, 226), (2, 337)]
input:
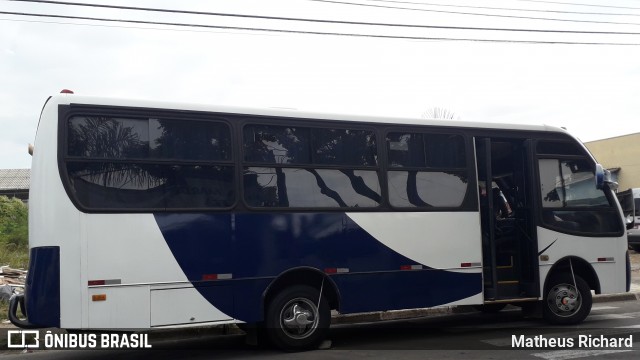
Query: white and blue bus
[(151, 215)]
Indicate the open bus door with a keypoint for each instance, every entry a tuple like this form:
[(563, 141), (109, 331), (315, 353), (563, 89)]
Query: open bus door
[(505, 168)]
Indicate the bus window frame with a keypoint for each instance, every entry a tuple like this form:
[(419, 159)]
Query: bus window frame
[(66, 112), (538, 194)]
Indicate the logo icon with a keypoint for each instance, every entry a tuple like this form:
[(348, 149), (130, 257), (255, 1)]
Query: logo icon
[(20, 339)]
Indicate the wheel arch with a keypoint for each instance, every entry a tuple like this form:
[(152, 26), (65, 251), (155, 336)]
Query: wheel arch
[(581, 268), (303, 276)]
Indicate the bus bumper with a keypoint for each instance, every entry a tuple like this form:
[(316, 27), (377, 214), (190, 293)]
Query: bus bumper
[(18, 299), (40, 302)]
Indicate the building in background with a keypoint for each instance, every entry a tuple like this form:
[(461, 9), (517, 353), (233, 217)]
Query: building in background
[(15, 183), (621, 153)]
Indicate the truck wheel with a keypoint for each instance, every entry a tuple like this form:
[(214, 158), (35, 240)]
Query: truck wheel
[(294, 320), (563, 303)]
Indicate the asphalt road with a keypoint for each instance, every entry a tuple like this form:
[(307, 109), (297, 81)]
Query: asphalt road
[(453, 336), (446, 336)]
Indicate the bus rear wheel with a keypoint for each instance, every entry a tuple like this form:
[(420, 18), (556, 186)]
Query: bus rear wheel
[(297, 319), (566, 303)]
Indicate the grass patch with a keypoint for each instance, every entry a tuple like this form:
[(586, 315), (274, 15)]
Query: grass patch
[(14, 238), (15, 257)]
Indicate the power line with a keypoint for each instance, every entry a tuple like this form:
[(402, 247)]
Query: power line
[(472, 13), (580, 4), (125, 27), (305, 32), (506, 9), (280, 18), (324, 21)]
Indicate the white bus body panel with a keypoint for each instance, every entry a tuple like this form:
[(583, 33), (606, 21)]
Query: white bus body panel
[(92, 248), (136, 247), (129, 244), (588, 249), (196, 309), (54, 220)]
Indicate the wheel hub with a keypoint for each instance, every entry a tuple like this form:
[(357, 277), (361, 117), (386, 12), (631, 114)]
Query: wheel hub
[(299, 318), (564, 300)]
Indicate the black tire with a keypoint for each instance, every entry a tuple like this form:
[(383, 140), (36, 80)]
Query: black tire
[(635, 247), (293, 320), (563, 304), (490, 308)]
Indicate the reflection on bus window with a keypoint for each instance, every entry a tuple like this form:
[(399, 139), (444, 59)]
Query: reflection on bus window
[(570, 199), (418, 188), (317, 188)]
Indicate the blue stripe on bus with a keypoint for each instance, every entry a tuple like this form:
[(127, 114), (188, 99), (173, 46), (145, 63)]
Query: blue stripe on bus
[(42, 287), (264, 245)]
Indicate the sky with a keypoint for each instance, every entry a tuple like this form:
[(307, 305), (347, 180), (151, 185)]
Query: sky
[(592, 90)]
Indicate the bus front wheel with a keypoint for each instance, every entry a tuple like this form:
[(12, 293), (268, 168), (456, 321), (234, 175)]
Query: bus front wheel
[(297, 318), (566, 302)]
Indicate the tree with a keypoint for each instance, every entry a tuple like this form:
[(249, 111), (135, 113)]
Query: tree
[(13, 223), (440, 114)]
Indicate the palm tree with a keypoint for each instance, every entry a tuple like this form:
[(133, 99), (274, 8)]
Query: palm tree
[(440, 114)]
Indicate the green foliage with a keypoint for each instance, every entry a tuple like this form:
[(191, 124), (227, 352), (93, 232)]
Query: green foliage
[(14, 235)]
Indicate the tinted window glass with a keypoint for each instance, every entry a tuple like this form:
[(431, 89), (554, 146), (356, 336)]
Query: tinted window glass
[(426, 150), (106, 137), (117, 185), (119, 138), (189, 140), (276, 144), (445, 151), (191, 186), (344, 147), (288, 187), (571, 203), (559, 148), (426, 189), (108, 185), (405, 149), (569, 183), (583, 221)]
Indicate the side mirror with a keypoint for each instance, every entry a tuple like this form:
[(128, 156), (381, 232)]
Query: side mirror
[(599, 176), (603, 176), (630, 221)]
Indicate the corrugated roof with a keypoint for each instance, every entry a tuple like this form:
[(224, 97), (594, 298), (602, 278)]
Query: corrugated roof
[(14, 179)]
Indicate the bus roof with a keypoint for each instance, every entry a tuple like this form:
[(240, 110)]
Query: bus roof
[(68, 99)]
